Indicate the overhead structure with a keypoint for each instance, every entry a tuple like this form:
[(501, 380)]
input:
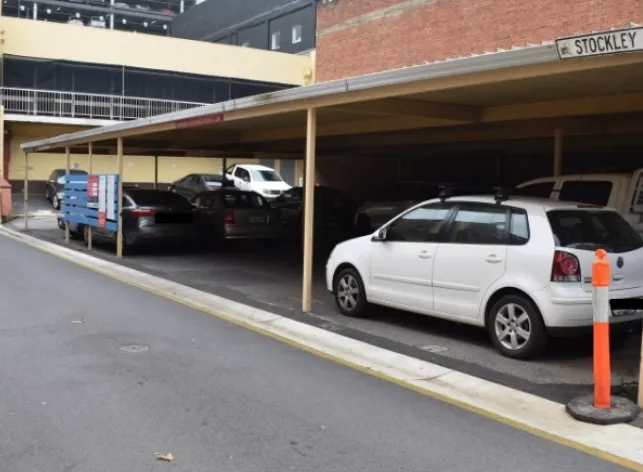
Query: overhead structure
[(518, 94)]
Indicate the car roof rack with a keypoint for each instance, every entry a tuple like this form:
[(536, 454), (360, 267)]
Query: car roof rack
[(446, 191), (501, 195)]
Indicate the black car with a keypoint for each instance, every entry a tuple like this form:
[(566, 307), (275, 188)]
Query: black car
[(55, 185), (393, 199), (333, 210), (193, 184), (152, 216)]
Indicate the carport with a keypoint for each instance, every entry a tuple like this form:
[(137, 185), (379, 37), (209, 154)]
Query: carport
[(524, 95)]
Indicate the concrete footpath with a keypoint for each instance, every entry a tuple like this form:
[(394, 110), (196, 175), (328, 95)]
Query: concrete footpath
[(214, 394)]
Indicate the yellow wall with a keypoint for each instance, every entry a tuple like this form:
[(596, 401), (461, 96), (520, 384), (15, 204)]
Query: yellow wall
[(23, 37), (135, 168)]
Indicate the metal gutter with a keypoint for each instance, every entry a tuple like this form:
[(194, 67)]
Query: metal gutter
[(467, 65)]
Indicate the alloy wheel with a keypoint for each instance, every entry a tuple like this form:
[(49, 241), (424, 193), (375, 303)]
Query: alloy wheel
[(348, 292), (512, 326)]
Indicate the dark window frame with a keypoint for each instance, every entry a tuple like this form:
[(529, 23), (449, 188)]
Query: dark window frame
[(477, 205), (441, 233)]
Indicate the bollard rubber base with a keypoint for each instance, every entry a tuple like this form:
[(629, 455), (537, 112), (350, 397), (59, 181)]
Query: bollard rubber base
[(622, 410)]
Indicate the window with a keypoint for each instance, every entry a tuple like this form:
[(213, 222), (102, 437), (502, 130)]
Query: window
[(420, 225), (519, 228), (478, 224), (296, 34), (596, 192), (275, 40), (207, 201), (591, 230), (243, 174), (127, 202), (266, 176), (244, 200), (541, 189), (154, 198)]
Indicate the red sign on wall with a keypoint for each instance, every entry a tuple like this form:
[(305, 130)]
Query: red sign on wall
[(102, 219), (199, 121)]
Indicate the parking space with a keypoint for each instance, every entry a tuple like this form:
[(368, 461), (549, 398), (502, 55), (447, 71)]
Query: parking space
[(269, 277)]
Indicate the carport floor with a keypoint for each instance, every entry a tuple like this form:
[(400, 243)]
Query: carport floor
[(269, 277)]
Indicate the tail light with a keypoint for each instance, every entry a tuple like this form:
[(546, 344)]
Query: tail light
[(228, 219), (566, 268), (140, 213)]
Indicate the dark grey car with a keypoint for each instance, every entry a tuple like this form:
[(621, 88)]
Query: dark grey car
[(394, 199), (193, 184), (231, 213), (55, 185), (153, 216)]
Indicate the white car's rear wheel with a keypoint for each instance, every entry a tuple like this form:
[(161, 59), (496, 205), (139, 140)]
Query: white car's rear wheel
[(516, 327)]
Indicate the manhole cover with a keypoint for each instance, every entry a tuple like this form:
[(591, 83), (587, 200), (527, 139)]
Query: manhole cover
[(135, 348)]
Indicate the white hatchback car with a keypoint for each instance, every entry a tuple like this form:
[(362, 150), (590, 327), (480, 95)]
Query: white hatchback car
[(520, 267)]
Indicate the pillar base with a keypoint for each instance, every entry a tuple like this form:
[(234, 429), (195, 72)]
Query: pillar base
[(622, 410)]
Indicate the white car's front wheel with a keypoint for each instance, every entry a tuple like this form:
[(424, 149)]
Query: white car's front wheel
[(516, 327), (350, 296)]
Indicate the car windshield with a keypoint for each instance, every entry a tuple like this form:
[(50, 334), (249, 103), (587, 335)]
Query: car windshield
[(266, 176), (156, 198), (212, 180), (591, 230), (244, 200), (61, 179)]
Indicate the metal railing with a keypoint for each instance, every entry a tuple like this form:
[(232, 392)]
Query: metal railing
[(86, 105)]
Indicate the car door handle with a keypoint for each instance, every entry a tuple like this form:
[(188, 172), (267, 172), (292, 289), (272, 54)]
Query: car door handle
[(493, 259), (424, 255)]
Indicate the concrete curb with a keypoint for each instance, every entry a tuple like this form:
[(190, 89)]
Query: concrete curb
[(621, 444)]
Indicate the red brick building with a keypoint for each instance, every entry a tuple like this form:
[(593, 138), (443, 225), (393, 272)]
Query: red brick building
[(356, 37)]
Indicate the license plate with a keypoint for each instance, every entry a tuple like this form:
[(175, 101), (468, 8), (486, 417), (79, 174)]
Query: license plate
[(257, 219), (626, 312)]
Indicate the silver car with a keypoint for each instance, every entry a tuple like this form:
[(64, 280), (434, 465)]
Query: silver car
[(230, 213)]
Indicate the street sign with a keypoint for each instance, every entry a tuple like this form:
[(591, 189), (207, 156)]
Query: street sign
[(601, 44)]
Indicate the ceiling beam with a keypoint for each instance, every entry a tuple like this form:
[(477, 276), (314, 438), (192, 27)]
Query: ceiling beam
[(604, 105), (346, 127), (405, 107)]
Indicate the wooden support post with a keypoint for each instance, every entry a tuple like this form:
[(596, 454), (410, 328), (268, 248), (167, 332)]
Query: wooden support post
[(156, 172), (309, 209), (119, 165), (90, 171), (25, 192), (67, 165), (558, 152)]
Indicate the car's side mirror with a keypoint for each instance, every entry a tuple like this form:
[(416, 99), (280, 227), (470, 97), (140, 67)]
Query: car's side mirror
[(380, 235), (246, 179)]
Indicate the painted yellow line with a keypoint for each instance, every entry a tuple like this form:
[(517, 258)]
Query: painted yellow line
[(299, 345)]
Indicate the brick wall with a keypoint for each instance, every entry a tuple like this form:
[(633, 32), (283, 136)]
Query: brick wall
[(388, 34)]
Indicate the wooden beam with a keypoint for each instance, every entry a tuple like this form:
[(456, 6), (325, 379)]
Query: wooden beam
[(604, 105), (404, 107)]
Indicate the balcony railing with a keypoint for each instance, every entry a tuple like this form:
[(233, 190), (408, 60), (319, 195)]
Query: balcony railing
[(86, 105)]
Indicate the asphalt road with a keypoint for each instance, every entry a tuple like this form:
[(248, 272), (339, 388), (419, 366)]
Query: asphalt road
[(218, 397)]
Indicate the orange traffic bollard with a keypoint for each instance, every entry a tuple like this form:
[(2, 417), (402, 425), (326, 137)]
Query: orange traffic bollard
[(602, 366), (602, 407)]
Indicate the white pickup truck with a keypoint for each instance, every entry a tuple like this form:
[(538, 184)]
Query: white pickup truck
[(623, 192), (257, 178)]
